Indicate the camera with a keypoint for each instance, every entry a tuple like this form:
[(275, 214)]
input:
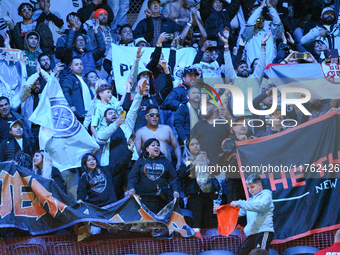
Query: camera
[(299, 55)]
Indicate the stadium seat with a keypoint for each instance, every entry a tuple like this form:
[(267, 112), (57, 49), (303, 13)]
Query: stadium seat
[(34, 246), (174, 253), (216, 252), (300, 250), (273, 252)]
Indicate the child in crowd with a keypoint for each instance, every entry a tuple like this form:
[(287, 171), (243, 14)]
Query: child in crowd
[(259, 210), (104, 94)]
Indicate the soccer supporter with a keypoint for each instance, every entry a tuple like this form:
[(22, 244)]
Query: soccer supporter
[(18, 32), (257, 29), (76, 91), (52, 19), (198, 184), (324, 32), (32, 51), (163, 133), (154, 24), (188, 114), (42, 165), (153, 177), (210, 137)]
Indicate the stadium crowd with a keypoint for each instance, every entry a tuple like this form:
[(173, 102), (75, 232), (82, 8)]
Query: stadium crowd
[(154, 136)]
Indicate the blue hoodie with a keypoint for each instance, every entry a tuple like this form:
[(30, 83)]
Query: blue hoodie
[(259, 210)]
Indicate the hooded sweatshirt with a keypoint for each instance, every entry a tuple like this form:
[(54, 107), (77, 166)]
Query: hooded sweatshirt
[(259, 210), (32, 56)]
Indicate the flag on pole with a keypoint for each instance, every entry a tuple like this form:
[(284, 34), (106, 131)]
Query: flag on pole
[(61, 134)]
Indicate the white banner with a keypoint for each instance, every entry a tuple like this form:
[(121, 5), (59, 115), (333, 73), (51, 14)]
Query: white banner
[(123, 57)]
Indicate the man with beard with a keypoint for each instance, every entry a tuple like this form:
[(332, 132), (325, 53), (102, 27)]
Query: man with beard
[(19, 31), (163, 133), (324, 33), (209, 136), (45, 64), (257, 28), (188, 114), (30, 94), (241, 77), (108, 35), (316, 107)]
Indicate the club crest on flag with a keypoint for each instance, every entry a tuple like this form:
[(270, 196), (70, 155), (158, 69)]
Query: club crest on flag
[(331, 71), (65, 123)]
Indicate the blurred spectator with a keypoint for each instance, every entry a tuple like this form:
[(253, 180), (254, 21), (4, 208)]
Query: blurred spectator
[(209, 136), (327, 33), (154, 24), (188, 114), (178, 95), (178, 11), (30, 94), (153, 177), (257, 29), (18, 32), (220, 18), (108, 36), (240, 76), (32, 51), (120, 10), (198, 184), (7, 116), (52, 19), (90, 6), (76, 91), (17, 143), (42, 165), (88, 57)]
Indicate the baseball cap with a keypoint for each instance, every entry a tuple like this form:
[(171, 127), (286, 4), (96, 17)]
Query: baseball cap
[(150, 1), (15, 122), (327, 9), (190, 70)]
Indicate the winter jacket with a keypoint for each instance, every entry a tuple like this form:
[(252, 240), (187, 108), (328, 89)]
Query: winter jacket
[(10, 148), (151, 174), (88, 57), (145, 25), (72, 90), (332, 41), (259, 210), (176, 97), (46, 37)]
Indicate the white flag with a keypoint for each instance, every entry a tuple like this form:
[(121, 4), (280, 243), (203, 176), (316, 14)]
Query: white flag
[(61, 134)]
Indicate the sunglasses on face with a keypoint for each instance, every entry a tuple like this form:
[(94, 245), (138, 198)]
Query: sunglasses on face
[(153, 114), (26, 10), (260, 20)]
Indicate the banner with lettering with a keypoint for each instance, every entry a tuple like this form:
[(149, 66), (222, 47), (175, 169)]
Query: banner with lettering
[(12, 74), (301, 166), (35, 204), (124, 56)]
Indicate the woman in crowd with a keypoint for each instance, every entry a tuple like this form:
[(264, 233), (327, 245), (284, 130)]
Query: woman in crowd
[(153, 177), (42, 165), (201, 187)]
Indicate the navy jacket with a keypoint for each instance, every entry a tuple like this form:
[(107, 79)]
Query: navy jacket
[(145, 27), (73, 93), (176, 97)]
